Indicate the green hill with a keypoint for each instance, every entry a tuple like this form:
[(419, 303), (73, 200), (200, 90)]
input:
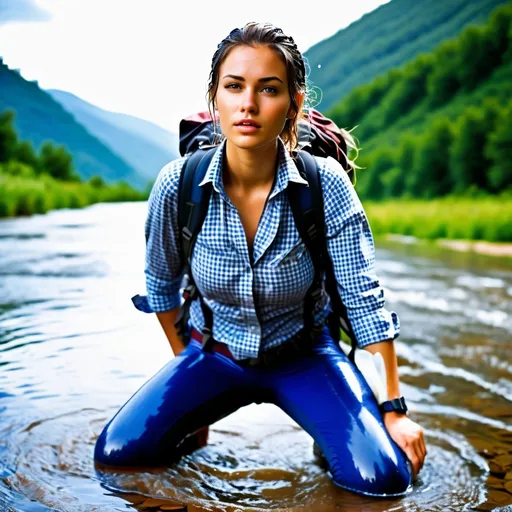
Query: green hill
[(387, 38), (441, 123), (40, 118)]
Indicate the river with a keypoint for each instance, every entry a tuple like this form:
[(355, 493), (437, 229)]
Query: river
[(73, 349)]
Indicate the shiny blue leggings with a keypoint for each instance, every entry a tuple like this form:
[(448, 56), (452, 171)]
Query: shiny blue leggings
[(322, 392)]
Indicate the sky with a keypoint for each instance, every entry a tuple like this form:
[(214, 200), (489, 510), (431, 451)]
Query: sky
[(148, 58)]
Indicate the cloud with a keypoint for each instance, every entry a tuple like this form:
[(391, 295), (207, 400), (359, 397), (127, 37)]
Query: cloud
[(21, 11)]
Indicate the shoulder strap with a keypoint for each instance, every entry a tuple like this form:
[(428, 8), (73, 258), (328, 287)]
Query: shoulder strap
[(308, 212), (193, 202)]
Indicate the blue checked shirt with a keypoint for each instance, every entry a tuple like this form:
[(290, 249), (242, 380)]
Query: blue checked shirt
[(259, 304)]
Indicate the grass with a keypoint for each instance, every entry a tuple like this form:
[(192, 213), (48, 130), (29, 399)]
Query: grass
[(479, 218), (21, 195)]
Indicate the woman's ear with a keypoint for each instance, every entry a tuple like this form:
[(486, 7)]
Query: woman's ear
[(299, 100)]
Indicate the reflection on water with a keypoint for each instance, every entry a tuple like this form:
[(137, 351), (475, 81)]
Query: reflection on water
[(73, 349)]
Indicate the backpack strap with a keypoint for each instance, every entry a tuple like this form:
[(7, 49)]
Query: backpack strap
[(193, 202), (308, 212)]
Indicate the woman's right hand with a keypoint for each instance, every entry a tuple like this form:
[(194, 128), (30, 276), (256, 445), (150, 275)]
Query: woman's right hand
[(167, 320), (409, 436)]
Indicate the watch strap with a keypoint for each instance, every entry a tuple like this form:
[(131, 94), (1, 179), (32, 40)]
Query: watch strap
[(394, 405)]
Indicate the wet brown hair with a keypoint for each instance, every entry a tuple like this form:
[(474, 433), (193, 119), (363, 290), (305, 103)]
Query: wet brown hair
[(265, 34)]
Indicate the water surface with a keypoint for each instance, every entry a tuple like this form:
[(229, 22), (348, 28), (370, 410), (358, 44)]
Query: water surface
[(73, 350)]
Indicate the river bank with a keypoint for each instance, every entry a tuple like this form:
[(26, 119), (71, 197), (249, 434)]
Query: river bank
[(482, 218), (494, 249), (22, 196), (471, 225)]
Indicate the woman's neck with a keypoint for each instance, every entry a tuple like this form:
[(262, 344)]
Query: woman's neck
[(247, 169)]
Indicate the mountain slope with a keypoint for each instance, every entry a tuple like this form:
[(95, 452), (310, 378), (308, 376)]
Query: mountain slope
[(386, 38), (440, 124), (144, 145), (40, 118)]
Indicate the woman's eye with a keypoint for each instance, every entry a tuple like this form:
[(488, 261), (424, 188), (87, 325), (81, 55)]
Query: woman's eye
[(267, 89)]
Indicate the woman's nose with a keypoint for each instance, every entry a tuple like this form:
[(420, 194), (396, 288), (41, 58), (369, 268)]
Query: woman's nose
[(249, 103)]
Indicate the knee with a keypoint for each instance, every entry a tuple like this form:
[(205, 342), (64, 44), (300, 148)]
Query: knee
[(114, 450), (385, 477), (393, 480), (107, 452)]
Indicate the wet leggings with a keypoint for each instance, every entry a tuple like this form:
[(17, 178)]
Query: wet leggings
[(322, 392)]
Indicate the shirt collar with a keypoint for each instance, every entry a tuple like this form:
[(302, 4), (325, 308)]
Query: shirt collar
[(214, 172), (286, 171)]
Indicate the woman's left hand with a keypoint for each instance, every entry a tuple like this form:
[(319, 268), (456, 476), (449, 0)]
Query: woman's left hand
[(408, 435)]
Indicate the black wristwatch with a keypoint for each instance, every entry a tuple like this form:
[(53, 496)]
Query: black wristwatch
[(396, 405)]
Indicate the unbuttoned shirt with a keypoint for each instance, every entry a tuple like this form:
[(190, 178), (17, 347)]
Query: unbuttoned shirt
[(258, 302)]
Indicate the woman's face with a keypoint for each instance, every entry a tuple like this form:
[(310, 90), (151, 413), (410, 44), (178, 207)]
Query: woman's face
[(252, 97)]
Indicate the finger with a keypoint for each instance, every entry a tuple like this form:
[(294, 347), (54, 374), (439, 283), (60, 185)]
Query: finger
[(419, 456), (423, 446), (421, 451), (414, 460)]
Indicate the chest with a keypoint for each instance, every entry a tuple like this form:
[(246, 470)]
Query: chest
[(250, 208), (281, 269)]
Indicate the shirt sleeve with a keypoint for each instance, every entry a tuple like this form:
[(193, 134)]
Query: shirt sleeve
[(351, 248), (164, 267)]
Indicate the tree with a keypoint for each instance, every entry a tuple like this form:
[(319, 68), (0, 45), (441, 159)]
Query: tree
[(57, 162), (498, 30), (473, 64), (97, 181), (468, 164), (373, 183), (431, 175), (443, 82), (393, 181), (25, 153), (411, 89), (405, 164), (499, 152), (8, 137), (507, 57)]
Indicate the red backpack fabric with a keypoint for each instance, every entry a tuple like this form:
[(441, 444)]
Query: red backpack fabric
[(318, 135)]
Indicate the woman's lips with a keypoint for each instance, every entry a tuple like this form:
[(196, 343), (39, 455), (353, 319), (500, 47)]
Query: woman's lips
[(247, 128)]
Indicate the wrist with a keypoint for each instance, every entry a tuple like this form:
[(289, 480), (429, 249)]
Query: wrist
[(392, 417)]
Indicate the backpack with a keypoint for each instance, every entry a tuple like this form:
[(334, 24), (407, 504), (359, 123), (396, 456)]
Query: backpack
[(325, 139)]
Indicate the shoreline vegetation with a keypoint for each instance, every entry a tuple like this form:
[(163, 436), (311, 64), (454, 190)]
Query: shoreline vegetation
[(466, 224), (481, 247), (21, 196), (39, 181), (481, 218)]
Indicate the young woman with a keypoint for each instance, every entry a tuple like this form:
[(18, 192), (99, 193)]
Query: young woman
[(253, 272)]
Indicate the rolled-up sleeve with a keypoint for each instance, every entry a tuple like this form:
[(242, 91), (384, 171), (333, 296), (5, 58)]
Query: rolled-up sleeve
[(351, 248), (164, 267)]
